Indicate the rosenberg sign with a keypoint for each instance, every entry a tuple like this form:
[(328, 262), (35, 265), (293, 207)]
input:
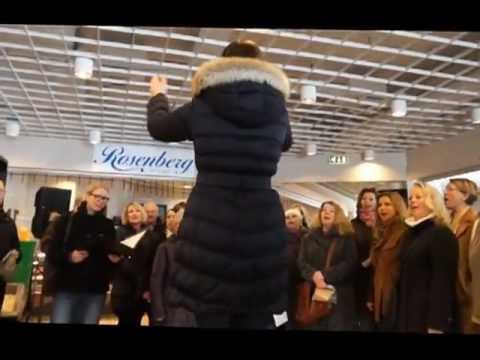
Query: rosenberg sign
[(144, 160)]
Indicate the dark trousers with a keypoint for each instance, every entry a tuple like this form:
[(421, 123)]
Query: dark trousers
[(3, 287), (364, 321), (132, 316), (235, 321)]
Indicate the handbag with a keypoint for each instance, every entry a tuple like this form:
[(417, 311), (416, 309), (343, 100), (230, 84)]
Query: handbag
[(313, 306), (8, 265)]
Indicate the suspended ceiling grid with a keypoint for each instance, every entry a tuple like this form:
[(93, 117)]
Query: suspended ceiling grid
[(357, 74)]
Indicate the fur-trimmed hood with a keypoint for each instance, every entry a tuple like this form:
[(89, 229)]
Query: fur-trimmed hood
[(228, 70)]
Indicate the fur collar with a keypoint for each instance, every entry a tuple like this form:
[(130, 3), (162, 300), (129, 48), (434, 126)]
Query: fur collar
[(227, 70)]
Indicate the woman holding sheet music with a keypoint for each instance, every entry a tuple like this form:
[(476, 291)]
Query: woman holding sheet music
[(136, 245)]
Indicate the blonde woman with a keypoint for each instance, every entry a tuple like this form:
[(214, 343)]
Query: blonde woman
[(80, 250), (388, 232), (331, 227), (130, 291), (428, 270), (460, 195)]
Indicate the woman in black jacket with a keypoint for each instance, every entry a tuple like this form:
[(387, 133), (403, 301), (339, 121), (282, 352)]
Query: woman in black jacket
[(160, 280), (80, 249), (8, 239), (332, 227), (428, 265), (230, 263), (297, 227), (363, 226), (130, 290)]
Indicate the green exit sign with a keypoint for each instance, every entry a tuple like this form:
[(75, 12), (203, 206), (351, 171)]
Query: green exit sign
[(337, 159)]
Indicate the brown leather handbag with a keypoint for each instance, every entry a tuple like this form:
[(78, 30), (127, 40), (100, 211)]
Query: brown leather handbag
[(310, 311)]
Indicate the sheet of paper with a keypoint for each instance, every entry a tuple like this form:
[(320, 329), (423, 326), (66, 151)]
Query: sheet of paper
[(132, 241), (280, 319)]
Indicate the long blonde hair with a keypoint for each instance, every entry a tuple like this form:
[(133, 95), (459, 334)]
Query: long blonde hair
[(434, 202), (340, 222)]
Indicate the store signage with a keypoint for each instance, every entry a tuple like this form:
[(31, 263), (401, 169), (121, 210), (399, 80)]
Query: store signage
[(144, 160), (337, 159)]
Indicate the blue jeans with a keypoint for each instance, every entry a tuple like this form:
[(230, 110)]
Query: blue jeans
[(73, 308)]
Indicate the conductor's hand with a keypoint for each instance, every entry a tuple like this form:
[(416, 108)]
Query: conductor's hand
[(158, 85)]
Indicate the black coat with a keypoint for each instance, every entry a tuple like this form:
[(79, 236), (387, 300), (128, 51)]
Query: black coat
[(93, 233), (8, 235), (159, 230), (161, 285), (313, 257), (233, 257), (8, 238), (429, 260), (132, 275), (363, 275), (294, 275)]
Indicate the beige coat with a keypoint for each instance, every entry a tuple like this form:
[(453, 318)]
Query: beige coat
[(463, 233), (474, 262)]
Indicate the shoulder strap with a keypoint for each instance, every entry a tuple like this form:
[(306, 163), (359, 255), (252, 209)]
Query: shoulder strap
[(68, 228), (331, 250), (474, 229)]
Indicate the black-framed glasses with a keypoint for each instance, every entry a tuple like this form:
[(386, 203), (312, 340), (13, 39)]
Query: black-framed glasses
[(100, 197)]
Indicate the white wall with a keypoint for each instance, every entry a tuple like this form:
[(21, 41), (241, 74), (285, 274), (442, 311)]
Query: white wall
[(457, 154), (74, 156), (56, 156), (314, 195), (64, 157), (386, 167)]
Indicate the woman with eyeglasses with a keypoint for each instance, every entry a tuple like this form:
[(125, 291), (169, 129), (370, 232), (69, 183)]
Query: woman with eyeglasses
[(80, 251)]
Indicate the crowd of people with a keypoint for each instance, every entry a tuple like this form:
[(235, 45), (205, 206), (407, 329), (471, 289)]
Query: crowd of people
[(232, 257), (393, 269)]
